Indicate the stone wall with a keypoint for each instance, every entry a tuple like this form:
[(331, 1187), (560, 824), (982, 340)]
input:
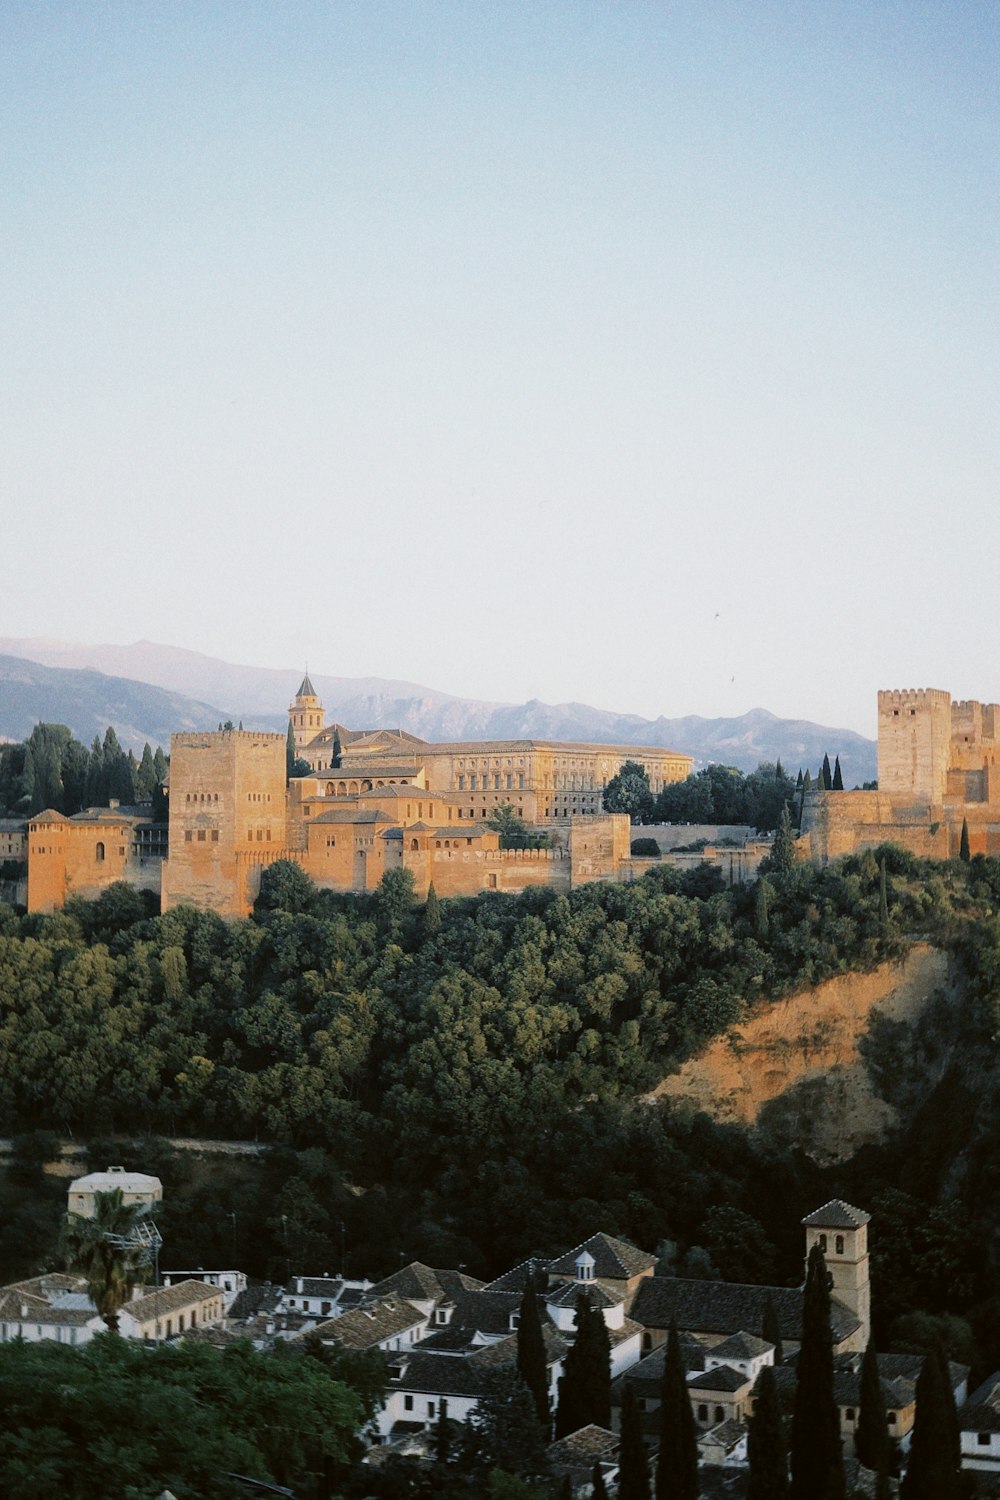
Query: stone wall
[(914, 744)]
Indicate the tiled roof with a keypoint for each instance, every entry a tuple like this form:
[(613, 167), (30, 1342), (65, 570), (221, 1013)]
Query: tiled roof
[(740, 1346), (836, 1215), (613, 1259), (306, 690), (516, 1279), (597, 1296), (364, 1327), (628, 1330), (726, 1435), (648, 1373), (988, 1392), (160, 1302), (725, 1307), (447, 1374), (352, 814), (315, 1286), (722, 1378), (254, 1300), (410, 792), (49, 1284), (583, 1447), (979, 1416), (414, 1280), (49, 816)]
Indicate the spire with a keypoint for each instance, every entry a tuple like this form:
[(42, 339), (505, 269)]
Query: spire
[(306, 690)]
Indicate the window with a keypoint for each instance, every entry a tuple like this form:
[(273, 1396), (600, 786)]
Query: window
[(431, 1408), (703, 1414), (407, 1403), (201, 835), (720, 1415), (822, 1243), (215, 835), (849, 1414), (99, 852), (188, 835), (983, 1439), (839, 1244)]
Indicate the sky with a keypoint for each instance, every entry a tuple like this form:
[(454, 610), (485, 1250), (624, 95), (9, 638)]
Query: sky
[(639, 354)]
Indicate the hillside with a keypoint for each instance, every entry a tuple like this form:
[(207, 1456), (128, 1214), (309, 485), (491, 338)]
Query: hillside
[(260, 695)]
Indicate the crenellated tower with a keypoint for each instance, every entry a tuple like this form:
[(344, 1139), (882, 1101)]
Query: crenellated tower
[(914, 744)]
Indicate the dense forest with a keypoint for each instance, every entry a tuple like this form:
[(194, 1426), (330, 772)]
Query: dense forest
[(52, 769), (457, 1081)]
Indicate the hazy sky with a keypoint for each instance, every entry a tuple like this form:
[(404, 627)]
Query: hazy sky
[(640, 354)]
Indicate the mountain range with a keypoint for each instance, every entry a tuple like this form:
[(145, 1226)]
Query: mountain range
[(147, 690)]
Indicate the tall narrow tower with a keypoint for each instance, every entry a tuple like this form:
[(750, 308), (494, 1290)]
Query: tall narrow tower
[(306, 714), (841, 1232)]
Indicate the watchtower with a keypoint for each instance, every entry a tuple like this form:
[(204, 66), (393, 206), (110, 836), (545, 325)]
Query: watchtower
[(841, 1232), (306, 713), (914, 744)]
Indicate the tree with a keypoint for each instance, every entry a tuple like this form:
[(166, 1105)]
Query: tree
[(782, 857), (290, 756), (337, 753), (633, 1459), (883, 897), (817, 1461), (508, 1433), (766, 1452), (531, 1362), (964, 852), (760, 914), (285, 886), (585, 1384), (677, 1462), (598, 1489), (827, 775), (94, 1247), (432, 911), (871, 1437), (145, 781), (838, 778), (628, 792), (933, 1470)]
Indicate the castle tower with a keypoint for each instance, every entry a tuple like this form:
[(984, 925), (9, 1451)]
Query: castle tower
[(227, 818), (306, 713), (914, 745), (842, 1234)]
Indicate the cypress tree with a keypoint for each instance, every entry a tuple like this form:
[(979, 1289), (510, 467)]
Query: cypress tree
[(145, 780), (566, 1488), (883, 896), (817, 1461), (432, 910), (771, 1329), (871, 1437), (827, 775), (289, 752), (585, 1384), (798, 781), (598, 1488), (27, 784), (782, 857), (159, 765), (964, 852), (677, 1463), (337, 754), (633, 1460), (760, 913), (442, 1436), (933, 1468), (531, 1364), (838, 779), (766, 1443)]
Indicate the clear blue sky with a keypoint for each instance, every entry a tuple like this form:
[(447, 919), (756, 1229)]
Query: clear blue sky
[(640, 354)]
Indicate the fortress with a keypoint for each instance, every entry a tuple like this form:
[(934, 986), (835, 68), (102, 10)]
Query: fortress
[(937, 769), (373, 801)]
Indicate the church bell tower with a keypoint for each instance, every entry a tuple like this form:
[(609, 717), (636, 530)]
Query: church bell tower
[(306, 715), (841, 1232)]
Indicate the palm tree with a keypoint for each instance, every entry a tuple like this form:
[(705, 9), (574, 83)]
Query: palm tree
[(110, 1250)]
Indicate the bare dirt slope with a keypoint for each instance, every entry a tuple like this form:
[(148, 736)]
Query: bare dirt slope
[(806, 1047)]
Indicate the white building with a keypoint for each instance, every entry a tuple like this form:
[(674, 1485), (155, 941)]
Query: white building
[(135, 1187), (229, 1283)]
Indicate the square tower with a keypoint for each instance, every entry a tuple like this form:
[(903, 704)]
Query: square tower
[(841, 1231), (914, 744), (227, 817)]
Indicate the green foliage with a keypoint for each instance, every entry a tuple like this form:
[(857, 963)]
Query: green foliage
[(112, 1270), (514, 831), (826, 775), (585, 1384), (628, 792), (838, 779), (677, 1460), (766, 1450), (645, 849), (53, 770), (964, 853), (508, 1434), (933, 1470), (290, 756), (781, 860), (871, 1437), (817, 1464), (633, 1459), (771, 1330), (723, 794), (531, 1362), (114, 1418)]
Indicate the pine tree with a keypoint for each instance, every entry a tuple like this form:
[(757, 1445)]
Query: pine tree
[(677, 1463), (782, 857), (771, 1329), (760, 912), (817, 1461), (585, 1384), (933, 1468), (871, 1437), (598, 1488), (531, 1362), (633, 1459), (838, 778), (289, 752), (766, 1443), (432, 910), (827, 775), (964, 852)]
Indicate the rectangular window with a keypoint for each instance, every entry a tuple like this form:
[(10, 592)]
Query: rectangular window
[(431, 1408), (407, 1403), (215, 835), (201, 835), (188, 836)]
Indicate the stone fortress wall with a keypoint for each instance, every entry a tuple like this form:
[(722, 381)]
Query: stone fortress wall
[(937, 770)]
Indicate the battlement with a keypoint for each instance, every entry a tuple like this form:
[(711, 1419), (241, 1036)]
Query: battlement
[(890, 698), (207, 738)]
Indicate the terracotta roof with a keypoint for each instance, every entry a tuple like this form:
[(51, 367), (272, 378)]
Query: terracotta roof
[(724, 1307), (613, 1259), (352, 814), (160, 1302), (364, 1327), (49, 816), (836, 1215)]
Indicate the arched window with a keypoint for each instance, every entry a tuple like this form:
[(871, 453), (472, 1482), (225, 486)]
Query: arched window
[(100, 852), (822, 1243), (414, 844), (329, 789), (839, 1242)]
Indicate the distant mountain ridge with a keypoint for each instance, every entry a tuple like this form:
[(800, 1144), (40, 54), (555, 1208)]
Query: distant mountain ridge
[(145, 683)]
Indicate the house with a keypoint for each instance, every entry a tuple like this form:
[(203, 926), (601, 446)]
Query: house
[(576, 1455), (713, 1310), (721, 1394), (388, 1323), (562, 1301), (724, 1446), (158, 1313), (230, 1283), (323, 1296), (614, 1265), (979, 1422), (58, 1306), (135, 1187)]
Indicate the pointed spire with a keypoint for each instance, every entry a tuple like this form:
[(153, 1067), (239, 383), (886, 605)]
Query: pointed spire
[(306, 690)]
